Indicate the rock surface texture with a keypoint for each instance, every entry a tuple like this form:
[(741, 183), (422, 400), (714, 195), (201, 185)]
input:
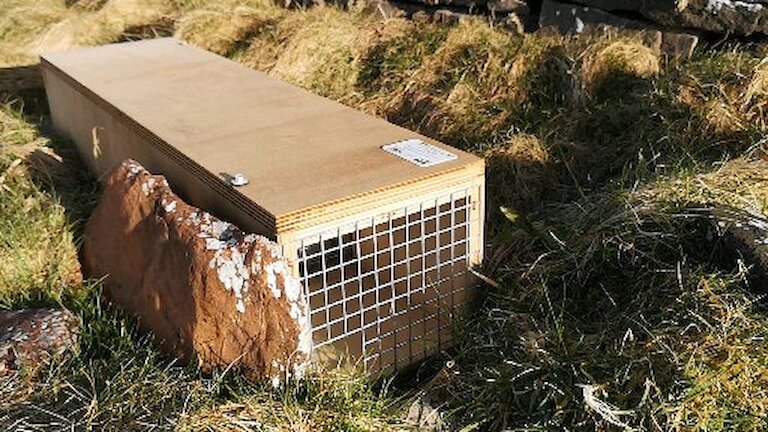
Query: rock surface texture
[(744, 238), (200, 284), (513, 15), (574, 18), (696, 17), (31, 336), (739, 17), (601, 15), (742, 17)]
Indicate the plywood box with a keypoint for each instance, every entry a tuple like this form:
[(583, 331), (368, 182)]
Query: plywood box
[(381, 240)]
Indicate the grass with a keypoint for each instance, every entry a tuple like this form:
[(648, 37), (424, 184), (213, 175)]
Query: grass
[(117, 379), (39, 255), (611, 309)]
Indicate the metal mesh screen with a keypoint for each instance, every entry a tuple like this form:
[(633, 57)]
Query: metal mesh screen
[(384, 289)]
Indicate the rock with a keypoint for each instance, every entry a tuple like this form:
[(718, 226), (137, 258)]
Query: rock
[(518, 7), (678, 46), (613, 5), (742, 17), (469, 5), (384, 9), (446, 16), (423, 414), (201, 285), (653, 39), (427, 410), (569, 18), (31, 336), (421, 17), (565, 18), (744, 237)]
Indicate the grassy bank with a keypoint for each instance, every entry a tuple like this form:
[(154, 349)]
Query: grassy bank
[(611, 308)]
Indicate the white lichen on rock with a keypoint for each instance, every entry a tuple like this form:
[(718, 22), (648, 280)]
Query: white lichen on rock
[(171, 206), (133, 168), (149, 186), (214, 244), (715, 6), (274, 269)]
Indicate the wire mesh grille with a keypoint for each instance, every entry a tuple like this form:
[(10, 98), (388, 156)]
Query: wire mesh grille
[(384, 289)]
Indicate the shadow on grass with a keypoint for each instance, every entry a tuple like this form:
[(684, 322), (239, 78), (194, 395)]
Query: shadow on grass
[(602, 304)]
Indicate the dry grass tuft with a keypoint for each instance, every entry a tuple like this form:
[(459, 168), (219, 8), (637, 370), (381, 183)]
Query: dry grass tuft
[(755, 99), (740, 183), (721, 116), (724, 97), (220, 27), (542, 69), (23, 22), (453, 92), (88, 5), (627, 58), (31, 29), (521, 170), (322, 50)]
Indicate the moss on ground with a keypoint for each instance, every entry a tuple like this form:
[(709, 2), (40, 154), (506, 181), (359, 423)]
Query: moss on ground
[(611, 308)]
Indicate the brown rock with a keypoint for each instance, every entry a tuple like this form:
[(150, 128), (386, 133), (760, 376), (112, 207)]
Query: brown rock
[(200, 284), (679, 46), (29, 337)]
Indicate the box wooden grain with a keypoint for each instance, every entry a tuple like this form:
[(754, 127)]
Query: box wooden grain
[(380, 242)]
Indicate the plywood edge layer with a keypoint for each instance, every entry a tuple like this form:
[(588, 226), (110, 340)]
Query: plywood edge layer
[(340, 209), (217, 185)]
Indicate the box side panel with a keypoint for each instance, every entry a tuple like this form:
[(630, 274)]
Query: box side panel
[(384, 287), (103, 141)]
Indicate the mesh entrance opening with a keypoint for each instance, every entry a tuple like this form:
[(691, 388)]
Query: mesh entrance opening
[(384, 289)]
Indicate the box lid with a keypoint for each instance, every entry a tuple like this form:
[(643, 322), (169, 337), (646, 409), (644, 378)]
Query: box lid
[(298, 150)]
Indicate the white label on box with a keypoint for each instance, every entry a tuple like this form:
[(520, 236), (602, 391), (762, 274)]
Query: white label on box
[(420, 153)]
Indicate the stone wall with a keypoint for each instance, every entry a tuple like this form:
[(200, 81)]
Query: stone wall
[(692, 17)]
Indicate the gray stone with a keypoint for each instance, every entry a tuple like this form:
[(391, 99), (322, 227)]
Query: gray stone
[(613, 5), (743, 17), (743, 237), (512, 22), (569, 18), (384, 9), (449, 17), (426, 415), (468, 4), (519, 7)]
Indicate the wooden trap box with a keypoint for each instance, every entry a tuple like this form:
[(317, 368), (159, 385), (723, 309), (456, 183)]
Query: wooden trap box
[(379, 223)]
